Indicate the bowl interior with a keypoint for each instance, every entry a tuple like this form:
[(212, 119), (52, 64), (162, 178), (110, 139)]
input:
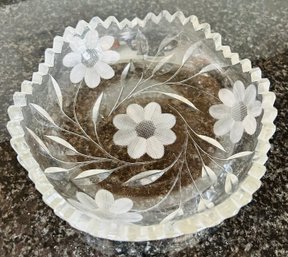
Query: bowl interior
[(142, 124)]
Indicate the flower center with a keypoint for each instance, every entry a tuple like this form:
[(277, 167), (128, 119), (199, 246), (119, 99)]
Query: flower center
[(90, 57), (145, 129), (239, 111)]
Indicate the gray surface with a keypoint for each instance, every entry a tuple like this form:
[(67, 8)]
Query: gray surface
[(256, 30)]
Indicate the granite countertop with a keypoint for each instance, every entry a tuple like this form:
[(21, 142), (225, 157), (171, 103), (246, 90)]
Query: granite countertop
[(255, 29)]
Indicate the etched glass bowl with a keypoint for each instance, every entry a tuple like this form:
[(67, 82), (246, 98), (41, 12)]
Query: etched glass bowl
[(145, 129)]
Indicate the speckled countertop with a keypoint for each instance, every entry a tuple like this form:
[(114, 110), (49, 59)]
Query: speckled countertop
[(256, 30)]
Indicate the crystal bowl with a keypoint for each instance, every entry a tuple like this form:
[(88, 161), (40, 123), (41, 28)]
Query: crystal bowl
[(145, 129)]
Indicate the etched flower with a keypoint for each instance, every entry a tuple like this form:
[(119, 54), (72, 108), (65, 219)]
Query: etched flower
[(90, 58), (105, 207), (144, 130), (238, 111)]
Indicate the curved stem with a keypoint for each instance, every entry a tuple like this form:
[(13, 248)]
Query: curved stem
[(117, 100), (90, 139), (188, 126), (193, 76), (184, 150), (180, 186), (140, 82), (71, 132), (69, 162), (217, 164), (196, 147), (187, 166), (190, 173), (158, 84), (84, 132), (164, 198), (69, 118), (80, 165), (191, 86), (192, 130), (193, 181)]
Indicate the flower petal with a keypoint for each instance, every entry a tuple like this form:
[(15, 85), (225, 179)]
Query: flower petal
[(123, 121), (255, 109), (250, 124), (110, 57), (104, 70), (130, 217), (91, 39), (239, 90), (137, 147), (219, 111), (231, 182), (223, 126), (236, 132), (77, 73), (135, 112), (227, 97), (71, 59), (152, 110), (155, 148), (165, 136), (104, 199), (122, 205), (77, 45), (86, 200), (106, 42), (250, 95), (164, 121), (92, 79), (124, 137)]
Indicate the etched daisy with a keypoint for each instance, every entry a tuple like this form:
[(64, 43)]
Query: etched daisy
[(238, 111), (90, 58), (105, 207), (144, 130)]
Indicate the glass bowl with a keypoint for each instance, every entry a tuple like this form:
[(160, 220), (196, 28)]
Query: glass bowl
[(145, 129)]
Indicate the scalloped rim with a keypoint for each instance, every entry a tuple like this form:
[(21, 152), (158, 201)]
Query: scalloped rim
[(131, 232)]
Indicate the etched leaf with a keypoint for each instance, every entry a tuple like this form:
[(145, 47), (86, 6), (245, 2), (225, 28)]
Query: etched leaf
[(38, 140), (208, 172), (167, 40), (124, 75), (178, 212), (239, 155), (125, 71), (144, 178), (96, 108), (42, 112), (162, 62), (210, 67), (63, 142), (93, 172), (58, 92), (51, 170), (231, 182), (190, 52), (212, 141), (204, 204), (180, 98)]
